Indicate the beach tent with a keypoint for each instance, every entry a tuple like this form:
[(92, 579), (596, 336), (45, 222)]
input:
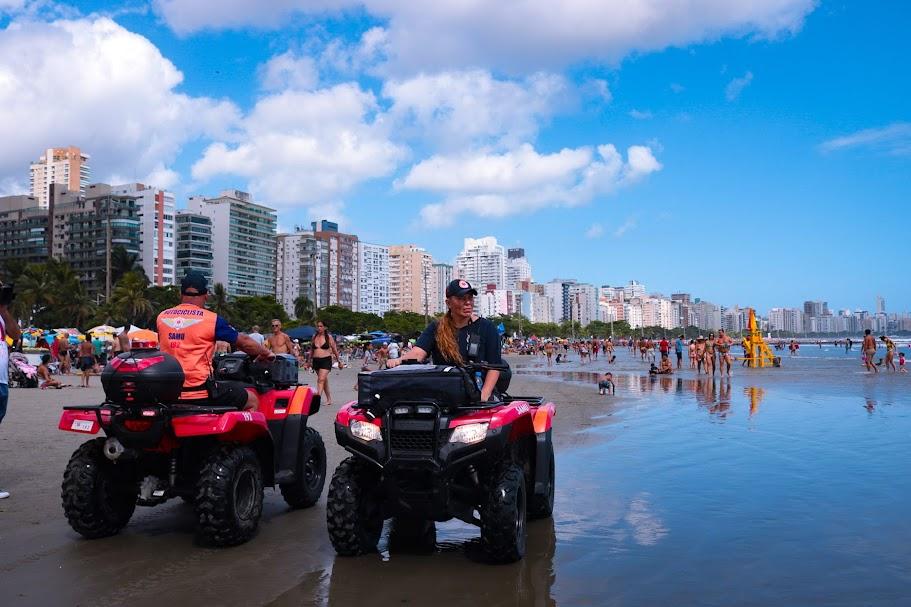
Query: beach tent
[(301, 333), (143, 335)]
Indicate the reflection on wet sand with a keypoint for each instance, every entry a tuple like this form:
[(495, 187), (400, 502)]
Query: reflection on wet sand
[(403, 572)]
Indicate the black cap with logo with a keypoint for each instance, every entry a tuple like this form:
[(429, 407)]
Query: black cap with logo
[(460, 287), (194, 281)]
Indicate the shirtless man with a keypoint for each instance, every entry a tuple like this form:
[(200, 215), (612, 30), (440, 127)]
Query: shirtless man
[(723, 343), (700, 355), (279, 342), (549, 352), (710, 353), (87, 361), (870, 351)]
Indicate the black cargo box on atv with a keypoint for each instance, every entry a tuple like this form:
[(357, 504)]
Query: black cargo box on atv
[(447, 386), (142, 377)]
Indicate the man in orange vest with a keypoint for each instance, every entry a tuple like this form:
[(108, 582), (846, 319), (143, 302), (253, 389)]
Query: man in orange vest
[(188, 332)]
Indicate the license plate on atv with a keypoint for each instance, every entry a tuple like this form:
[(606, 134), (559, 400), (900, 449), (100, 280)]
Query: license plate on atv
[(82, 425)]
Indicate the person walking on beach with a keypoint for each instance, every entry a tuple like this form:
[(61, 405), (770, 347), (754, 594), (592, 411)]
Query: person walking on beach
[(678, 350), (664, 347), (322, 351), (692, 349), (8, 328), (869, 349), (86, 361), (710, 353), (549, 353), (890, 352), (723, 344), (901, 363), (278, 342), (700, 355)]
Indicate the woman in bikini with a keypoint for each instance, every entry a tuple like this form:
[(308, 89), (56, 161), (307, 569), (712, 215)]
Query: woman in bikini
[(322, 351), (710, 354)]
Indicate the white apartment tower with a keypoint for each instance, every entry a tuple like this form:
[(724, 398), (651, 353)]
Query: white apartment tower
[(482, 262), (442, 276), (372, 279), (517, 268), (410, 274), (67, 166), (243, 242), (157, 232)]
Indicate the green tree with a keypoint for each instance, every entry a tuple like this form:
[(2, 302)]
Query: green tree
[(249, 311), (164, 297), (219, 303), (304, 309), (408, 324), (129, 300), (123, 262)]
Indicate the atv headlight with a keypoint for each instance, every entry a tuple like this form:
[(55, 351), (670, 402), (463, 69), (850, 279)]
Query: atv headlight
[(365, 431), (469, 433)]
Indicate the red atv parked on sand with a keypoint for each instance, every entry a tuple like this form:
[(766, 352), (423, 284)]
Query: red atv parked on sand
[(425, 448), (216, 457)]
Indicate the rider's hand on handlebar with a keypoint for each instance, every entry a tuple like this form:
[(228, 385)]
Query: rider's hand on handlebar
[(393, 362), (265, 357)]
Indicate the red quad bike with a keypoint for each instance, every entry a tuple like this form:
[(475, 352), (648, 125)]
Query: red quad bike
[(210, 455), (425, 448)]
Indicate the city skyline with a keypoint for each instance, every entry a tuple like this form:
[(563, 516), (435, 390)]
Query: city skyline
[(740, 154)]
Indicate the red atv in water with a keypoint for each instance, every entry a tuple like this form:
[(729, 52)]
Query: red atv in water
[(215, 457), (425, 448)]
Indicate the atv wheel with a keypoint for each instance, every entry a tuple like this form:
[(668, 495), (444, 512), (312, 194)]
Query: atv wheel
[(96, 502), (503, 516), (542, 506), (353, 514), (304, 491), (229, 496)]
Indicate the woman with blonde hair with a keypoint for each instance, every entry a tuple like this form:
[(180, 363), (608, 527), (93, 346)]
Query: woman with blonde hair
[(448, 341)]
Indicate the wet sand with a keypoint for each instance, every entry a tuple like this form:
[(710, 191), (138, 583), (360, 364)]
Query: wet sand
[(784, 486)]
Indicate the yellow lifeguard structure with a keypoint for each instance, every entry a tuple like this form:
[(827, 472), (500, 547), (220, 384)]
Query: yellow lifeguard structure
[(756, 351)]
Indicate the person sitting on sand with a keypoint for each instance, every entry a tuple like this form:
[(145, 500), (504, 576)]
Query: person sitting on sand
[(666, 368), (606, 384), (901, 363), (44, 374), (653, 370)]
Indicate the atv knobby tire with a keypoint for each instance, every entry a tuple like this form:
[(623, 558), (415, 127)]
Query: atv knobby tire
[(229, 496), (542, 506), (503, 516), (306, 489), (96, 500), (353, 514)]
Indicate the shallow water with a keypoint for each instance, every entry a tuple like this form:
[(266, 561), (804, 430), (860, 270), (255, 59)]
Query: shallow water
[(779, 486)]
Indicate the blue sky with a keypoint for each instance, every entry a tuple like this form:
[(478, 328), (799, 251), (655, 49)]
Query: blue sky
[(749, 153)]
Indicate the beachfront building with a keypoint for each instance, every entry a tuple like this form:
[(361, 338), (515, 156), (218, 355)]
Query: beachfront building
[(658, 312), (633, 289), (341, 265), (156, 210), (372, 278), (410, 274), (493, 302), (632, 312), (243, 242), (64, 166), (558, 292), (193, 245), (518, 270), (85, 230), (706, 315), (301, 269), (23, 230), (441, 277), (583, 303), (482, 262), (786, 319)]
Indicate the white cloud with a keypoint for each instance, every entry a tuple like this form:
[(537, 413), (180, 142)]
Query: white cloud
[(894, 139), (289, 70), (640, 114), (595, 231), (516, 36), (603, 90), (454, 109), (522, 180), (91, 83), (736, 86), (677, 87), (625, 227), (307, 148)]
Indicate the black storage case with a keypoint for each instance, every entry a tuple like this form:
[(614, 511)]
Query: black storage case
[(447, 386), (283, 370), (231, 367), (142, 377), (238, 367)]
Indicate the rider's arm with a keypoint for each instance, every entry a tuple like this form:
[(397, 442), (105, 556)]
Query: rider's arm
[(247, 344), (415, 353)]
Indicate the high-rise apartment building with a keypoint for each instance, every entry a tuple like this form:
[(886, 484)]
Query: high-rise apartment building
[(302, 269), (518, 269), (442, 276), (633, 289), (583, 303), (482, 262), (65, 166), (85, 230), (341, 265), (786, 319), (410, 276), (815, 308), (193, 245), (23, 230), (156, 210), (243, 242), (880, 304), (372, 278), (706, 315)]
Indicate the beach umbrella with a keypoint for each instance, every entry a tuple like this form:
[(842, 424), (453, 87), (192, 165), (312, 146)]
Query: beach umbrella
[(103, 329), (301, 333), (143, 338)]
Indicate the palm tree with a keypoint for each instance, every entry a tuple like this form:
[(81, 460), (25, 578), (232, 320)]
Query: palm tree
[(303, 309), (219, 302), (129, 299)]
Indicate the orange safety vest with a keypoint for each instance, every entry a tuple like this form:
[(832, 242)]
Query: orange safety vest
[(187, 333)]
